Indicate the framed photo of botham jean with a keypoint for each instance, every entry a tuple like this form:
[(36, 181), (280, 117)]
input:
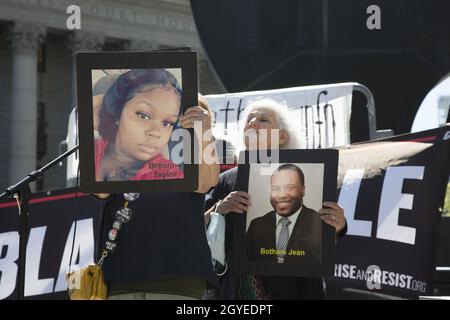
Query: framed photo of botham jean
[(129, 107), (282, 233)]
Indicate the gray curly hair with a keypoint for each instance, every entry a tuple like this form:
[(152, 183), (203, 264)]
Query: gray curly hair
[(283, 117)]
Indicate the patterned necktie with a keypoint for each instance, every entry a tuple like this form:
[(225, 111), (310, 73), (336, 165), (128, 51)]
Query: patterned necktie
[(283, 239)]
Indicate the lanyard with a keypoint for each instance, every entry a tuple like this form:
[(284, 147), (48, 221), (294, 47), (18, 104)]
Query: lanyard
[(123, 215)]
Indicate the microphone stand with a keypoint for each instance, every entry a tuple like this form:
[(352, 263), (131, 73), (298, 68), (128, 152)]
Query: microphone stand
[(22, 193)]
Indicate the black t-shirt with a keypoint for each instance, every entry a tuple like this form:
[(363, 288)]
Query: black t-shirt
[(277, 287), (164, 238)]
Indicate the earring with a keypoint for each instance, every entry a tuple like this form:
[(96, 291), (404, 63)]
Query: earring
[(117, 122)]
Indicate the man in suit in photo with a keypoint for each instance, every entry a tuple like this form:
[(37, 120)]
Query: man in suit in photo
[(291, 233)]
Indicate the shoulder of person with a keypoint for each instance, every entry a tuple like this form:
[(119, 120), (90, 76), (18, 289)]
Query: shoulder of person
[(310, 214), (265, 218), (229, 174), (228, 179), (306, 210)]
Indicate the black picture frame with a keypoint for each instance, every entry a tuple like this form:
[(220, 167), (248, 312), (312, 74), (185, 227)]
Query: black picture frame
[(86, 62), (324, 267)]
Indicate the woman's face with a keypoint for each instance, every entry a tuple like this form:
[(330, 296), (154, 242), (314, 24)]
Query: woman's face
[(262, 121), (146, 123)]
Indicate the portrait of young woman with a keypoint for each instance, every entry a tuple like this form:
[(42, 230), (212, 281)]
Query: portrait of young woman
[(135, 119), (139, 121)]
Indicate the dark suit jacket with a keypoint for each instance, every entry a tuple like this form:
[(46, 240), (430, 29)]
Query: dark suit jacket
[(306, 238)]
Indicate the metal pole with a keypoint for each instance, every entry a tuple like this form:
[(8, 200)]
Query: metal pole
[(373, 132)]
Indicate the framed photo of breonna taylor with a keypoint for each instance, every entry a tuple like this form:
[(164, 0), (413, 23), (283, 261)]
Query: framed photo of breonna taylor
[(129, 105), (282, 233)]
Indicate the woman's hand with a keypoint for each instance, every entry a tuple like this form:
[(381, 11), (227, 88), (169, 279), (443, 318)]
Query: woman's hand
[(200, 119), (236, 201), (333, 214), (194, 115)]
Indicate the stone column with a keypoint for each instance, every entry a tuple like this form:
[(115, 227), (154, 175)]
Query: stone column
[(79, 41), (24, 38)]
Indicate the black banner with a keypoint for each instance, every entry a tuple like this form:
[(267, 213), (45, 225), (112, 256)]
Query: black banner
[(54, 219), (393, 192)]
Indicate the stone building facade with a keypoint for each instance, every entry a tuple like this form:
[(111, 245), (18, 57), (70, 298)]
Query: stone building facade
[(37, 69)]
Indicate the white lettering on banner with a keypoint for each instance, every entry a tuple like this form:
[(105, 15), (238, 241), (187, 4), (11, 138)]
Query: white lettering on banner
[(392, 200), (34, 285), (348, 198), (83, 254), (384, 277), (82, 247), (8, 265)]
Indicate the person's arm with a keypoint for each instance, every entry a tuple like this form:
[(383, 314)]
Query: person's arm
[(208, 173), (236, 201), (208, 215), (208, 168), (213, 197)]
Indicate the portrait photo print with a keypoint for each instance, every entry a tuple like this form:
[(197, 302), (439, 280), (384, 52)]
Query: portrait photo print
[(282, 229), (133, 121), (133, 108)]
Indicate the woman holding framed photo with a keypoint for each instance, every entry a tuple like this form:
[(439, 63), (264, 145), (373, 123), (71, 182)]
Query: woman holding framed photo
[(267, 119)]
